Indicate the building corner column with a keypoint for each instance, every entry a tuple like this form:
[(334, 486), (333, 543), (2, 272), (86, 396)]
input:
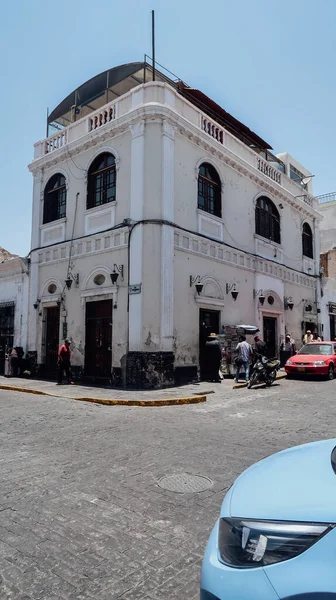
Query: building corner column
[(167, 253), (133, 367)]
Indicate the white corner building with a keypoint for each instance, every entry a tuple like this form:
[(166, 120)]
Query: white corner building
[(143, 191)]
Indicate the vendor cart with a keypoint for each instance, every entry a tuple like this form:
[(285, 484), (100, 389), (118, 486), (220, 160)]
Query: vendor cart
[(228, 339)]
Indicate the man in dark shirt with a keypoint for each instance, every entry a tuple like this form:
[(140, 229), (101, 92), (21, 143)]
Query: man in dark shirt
[(259, 347), (64, 355), (213, 357)]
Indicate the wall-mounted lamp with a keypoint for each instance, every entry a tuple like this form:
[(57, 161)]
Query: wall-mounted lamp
[(308, 308), (288, 303), (232, 288), (70, 278), (115, 273), (36, 304), (305, 180), (281, 206), (260, 294), (197, 281)]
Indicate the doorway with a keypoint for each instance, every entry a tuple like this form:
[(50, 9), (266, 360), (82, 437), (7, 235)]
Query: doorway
[(270, 336), (98, 339), (52, 324), (7, 311), (208, 323)]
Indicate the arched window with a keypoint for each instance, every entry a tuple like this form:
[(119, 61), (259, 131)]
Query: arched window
[(209, 190), (307, 241), (101, 181), (267, 220), (54, 207)]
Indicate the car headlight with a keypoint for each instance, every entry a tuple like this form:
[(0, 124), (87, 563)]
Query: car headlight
[(289, 362), (319, 363), (248, 544)]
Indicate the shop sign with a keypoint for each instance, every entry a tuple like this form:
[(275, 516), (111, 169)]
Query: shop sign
[(134, 289)]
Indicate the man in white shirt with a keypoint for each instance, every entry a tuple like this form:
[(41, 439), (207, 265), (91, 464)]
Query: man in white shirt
[(308, 337), (243, 359)]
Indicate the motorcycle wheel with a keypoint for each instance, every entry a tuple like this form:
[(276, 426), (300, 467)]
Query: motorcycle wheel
[(271, 378), (252, 381)]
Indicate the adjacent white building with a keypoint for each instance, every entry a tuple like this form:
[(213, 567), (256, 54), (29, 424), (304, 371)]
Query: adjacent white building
[(327, 208), (144, 191), (14, 291)]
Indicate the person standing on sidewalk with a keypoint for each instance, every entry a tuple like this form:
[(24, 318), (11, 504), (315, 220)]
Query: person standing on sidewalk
[(287, 349), (64, 355), (213, 356), (308, 337), (243, 359), (260, 347)]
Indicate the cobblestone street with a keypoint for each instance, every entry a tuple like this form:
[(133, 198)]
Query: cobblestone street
[(81, 513)]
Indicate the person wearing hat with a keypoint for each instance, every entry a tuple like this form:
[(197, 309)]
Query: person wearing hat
[(287, 349), (308, 337), (64, 366), (213, 357)]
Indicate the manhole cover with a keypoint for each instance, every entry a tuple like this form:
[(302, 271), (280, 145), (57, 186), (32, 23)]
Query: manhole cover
[(184, 483)]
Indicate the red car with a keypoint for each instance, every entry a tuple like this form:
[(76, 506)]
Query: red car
[(316, 358)]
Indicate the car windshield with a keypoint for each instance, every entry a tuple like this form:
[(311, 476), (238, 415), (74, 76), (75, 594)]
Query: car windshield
[(316, 349)]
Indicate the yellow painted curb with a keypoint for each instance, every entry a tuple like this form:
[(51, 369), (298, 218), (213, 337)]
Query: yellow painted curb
[(116, 402), (14, 388), (243, 385)]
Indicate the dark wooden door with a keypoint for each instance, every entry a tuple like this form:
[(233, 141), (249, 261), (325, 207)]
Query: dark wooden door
[(98, 339), (52, 324), (270, 336), (209, 323)]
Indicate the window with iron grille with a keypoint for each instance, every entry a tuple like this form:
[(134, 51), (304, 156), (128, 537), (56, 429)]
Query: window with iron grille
[(54, 199), (101, 181), (307, 241), (209, 190), (267, 220)]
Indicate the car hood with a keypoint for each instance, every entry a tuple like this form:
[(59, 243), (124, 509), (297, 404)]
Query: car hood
[(296, 484), (309, 357)]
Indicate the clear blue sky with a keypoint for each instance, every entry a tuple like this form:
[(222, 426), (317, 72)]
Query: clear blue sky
[(271, 64)]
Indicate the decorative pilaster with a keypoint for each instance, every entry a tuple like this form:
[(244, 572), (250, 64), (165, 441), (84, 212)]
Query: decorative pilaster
[(136, 242), (167, 238), (34, 264)]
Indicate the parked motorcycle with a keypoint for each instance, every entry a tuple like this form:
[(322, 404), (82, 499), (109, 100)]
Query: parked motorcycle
[(264, 371)]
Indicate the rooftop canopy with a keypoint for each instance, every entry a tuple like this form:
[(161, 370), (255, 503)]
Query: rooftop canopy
[(109, 85)]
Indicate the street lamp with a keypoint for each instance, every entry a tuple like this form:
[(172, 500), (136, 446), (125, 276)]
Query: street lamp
[(70, 278), (197, 281), (115, 273), (260, 294), (232, 288), (289, 304)]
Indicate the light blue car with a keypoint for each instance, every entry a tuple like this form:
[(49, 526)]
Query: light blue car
[(276, 535)]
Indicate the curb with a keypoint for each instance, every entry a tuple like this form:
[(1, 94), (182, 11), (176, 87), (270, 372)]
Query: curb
[(243, 385), (113, 402)]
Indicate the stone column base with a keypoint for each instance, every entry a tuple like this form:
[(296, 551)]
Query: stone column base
[(148, 370)]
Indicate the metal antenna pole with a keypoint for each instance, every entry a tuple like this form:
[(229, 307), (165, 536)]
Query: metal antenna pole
[(47, 122), (153, 43)]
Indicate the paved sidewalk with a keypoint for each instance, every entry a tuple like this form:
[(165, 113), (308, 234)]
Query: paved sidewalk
[(184, 394)]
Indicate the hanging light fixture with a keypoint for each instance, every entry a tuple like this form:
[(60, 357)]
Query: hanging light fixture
[(232, 288)]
